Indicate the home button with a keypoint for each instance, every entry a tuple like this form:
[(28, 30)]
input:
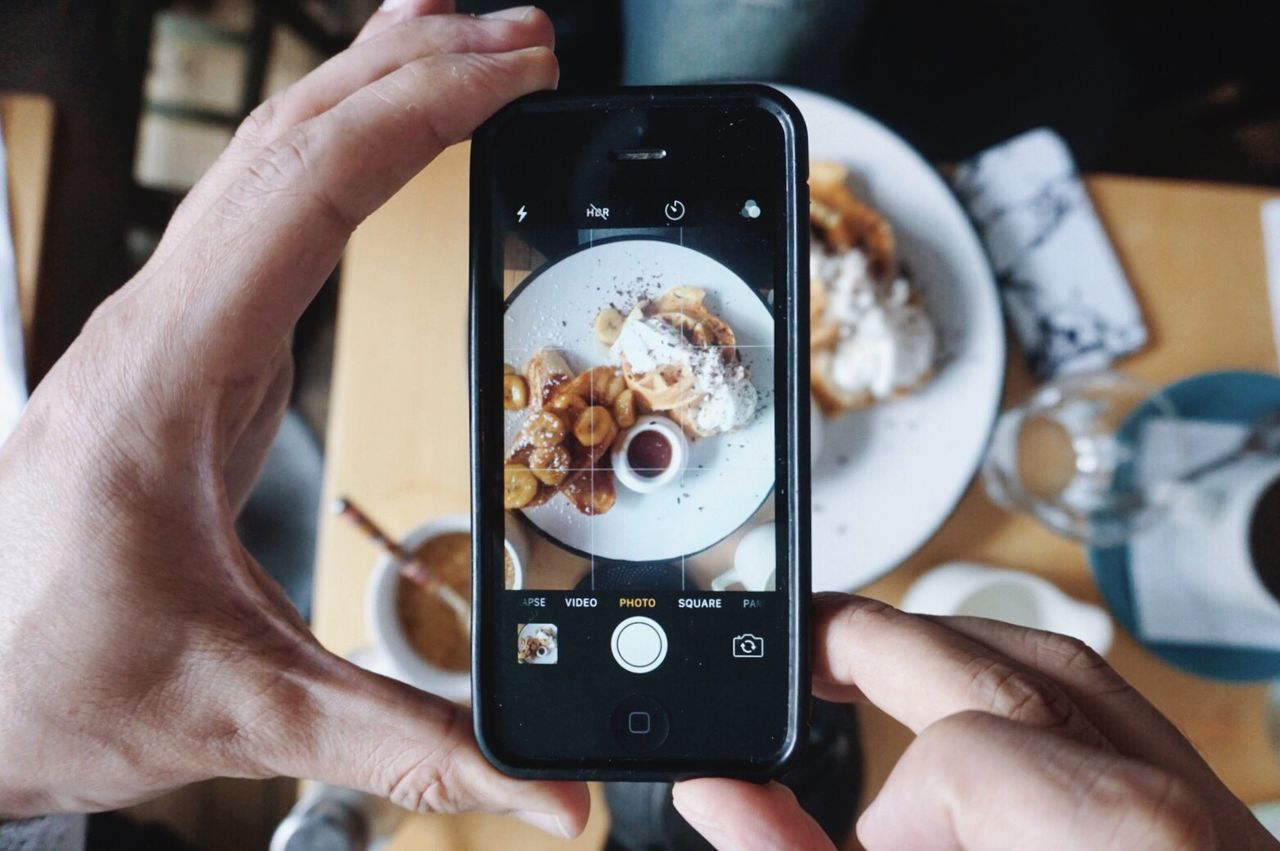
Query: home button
[(640, 724)]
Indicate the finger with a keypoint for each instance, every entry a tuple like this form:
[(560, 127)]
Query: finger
[(393, 12), (919, 671), (342, 76), (974, 780), (347, 726), (1117, 709), (734, 815), (267, 244)]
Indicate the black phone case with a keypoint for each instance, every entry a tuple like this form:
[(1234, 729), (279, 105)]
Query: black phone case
[(798, 420)]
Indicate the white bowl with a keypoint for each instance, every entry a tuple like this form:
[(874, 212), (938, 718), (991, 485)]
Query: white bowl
[(679, 454)]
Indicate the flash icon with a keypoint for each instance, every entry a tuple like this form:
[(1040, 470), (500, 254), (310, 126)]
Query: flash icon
[(520, 214)]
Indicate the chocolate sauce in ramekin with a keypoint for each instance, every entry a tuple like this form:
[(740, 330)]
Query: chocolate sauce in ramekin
[(649, 453)]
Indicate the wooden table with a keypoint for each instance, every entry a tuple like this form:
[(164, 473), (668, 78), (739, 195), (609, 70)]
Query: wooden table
[(398, 437), (28, 140)]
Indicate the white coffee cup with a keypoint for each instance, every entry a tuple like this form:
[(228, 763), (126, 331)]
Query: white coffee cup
[(755, 562), (1220, 507), (393, 654)]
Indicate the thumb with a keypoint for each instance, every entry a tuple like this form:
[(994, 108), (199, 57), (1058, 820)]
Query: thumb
[(976, 780), (738, 814), (364, 731)]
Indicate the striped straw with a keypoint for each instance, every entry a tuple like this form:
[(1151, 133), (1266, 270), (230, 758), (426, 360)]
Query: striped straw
[(410, 567)]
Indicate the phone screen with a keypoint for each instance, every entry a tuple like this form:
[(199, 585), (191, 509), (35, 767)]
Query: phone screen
[(643, 590)]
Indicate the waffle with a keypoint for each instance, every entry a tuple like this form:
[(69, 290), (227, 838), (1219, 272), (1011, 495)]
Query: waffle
[(673, 388)]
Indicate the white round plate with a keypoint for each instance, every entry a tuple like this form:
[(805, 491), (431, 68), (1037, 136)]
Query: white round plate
[(888, 476), (728, 476)]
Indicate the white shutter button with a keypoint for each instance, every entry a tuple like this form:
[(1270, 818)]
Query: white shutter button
[(639, 644)]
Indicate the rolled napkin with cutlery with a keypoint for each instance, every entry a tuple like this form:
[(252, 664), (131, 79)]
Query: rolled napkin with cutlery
[(1066, 295)]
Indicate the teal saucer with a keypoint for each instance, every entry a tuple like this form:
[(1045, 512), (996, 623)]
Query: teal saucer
[(1231, 397)]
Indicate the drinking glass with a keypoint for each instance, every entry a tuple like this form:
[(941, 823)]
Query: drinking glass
[(1072, 456)]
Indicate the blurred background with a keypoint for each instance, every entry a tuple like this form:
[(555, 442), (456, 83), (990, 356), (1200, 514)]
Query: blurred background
[(145, 94)]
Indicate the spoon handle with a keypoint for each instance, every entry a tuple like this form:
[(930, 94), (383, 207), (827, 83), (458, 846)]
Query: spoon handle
[(1214, 465), (455, 601)]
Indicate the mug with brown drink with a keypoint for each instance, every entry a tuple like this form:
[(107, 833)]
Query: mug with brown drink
[(417, 636)]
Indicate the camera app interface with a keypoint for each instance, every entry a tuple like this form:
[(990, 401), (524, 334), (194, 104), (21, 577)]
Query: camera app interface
[(639, 405), (640, 308)]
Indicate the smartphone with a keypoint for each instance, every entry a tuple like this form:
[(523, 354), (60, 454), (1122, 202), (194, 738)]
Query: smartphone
[(639, 386)]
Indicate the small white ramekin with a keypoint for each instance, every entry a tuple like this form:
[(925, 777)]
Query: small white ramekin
[(679, 454)]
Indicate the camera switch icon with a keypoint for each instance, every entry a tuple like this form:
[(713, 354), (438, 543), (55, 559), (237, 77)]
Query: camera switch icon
[(748, 646)]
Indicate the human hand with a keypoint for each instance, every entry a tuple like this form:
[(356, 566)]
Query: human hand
[(1025, 739), (141, 647)]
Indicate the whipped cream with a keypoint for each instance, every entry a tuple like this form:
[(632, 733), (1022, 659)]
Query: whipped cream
[(886, 343), (727, 399)]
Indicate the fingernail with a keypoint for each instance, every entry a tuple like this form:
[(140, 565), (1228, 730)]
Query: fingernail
[(546, 822), (515, 13)]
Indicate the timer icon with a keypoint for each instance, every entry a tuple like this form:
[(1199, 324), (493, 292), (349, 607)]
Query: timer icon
[(674, 210)]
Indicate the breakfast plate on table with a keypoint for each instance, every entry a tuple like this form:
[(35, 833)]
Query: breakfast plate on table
[(552, 321), (888, 473)]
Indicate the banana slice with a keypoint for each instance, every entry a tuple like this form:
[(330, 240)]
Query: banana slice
[(616, 385), (594, 426), (519, 486), (515, 393), (608, 326), (550, 464), (546, 429), (624, 409), (568, 406)]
